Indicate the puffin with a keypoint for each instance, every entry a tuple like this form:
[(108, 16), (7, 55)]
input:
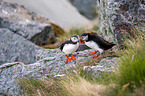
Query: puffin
[(96, 42), (70, 46)]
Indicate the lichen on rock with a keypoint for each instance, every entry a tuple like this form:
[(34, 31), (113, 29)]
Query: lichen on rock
[(119, 17)]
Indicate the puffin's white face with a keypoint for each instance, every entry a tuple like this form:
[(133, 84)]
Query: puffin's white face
[(84, 38), (74, 39)]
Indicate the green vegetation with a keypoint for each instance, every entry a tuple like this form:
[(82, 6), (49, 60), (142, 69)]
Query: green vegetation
[(130, 73), (132, 65), (127, 80), (37, 87)]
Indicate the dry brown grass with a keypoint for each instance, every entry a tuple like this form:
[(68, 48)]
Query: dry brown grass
[(68, 86), (81, 87)]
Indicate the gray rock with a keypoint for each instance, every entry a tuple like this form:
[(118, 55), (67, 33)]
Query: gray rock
[(38, 33), (26, 24), (51, 62), (118, 17), (16, 13), (16, 48), (9, 75), (45, 36), (105, 65), (86, 7)]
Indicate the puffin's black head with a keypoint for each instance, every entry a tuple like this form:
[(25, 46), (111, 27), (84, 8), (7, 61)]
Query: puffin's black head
[(85, 36), (74, 38)]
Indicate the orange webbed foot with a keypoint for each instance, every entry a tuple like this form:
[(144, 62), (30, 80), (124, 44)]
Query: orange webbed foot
[(91, 53), (72, 57), (68, 60), (97, 57)]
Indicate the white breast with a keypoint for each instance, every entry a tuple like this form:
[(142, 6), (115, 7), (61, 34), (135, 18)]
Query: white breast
[(70, 48), (94, 46)]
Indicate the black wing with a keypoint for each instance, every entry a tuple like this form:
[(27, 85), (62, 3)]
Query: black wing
[(62, 45), (102, 42)]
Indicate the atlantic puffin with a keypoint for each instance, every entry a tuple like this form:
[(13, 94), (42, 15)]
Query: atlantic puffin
[(96, 42), (70, 46)]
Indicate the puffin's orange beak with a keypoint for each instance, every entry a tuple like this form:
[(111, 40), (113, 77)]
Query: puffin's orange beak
[(80, 41)]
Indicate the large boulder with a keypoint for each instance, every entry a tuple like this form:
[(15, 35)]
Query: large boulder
[(51, 62), (16, 13), (26, 23), (60, 12), (16, 48), (86, 7), (119, 18)]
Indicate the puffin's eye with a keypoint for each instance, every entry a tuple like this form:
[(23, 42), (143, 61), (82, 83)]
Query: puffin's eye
[(75, 38)]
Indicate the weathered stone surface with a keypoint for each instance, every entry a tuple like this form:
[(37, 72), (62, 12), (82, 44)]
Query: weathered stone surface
[(105, 65), (45, 36), (118, 17), (16, 13), (50, 62), (86, 7), (26, 24), (9, 75), (16, 48)]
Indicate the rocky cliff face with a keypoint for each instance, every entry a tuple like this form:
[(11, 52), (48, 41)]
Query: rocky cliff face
[(119, 17)]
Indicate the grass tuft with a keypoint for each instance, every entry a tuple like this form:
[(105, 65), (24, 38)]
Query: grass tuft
[(37, 87), (82, 87), (132, 64)]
